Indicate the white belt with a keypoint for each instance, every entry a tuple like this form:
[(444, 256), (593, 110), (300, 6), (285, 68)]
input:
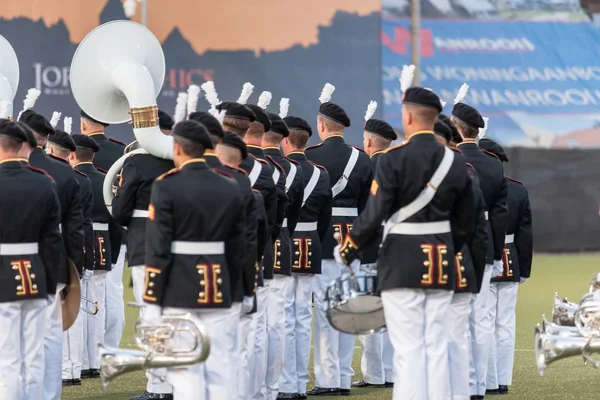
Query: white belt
[(15, 249), (140, 213), (344, 212), (306, 226), (284, 223), (509, 239), (420, 228), (99, 226), (60, 228), (486, 216), (198, 248)]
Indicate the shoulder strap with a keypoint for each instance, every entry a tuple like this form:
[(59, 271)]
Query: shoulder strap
[(276, 174), (290, 177), (340, 185), (312, 183), (255, 173), (426, 195)]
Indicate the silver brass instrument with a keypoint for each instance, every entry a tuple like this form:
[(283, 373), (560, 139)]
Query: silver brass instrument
[(153, 338), (563, 312), (552, 329), (94, 304)]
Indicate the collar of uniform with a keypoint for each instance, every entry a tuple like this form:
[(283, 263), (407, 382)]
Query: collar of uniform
[(468, 144), (84, 163), (12, 162), (256, 151), (58, 158), (212, 160), (377, 152), (334, 139), (98, 135), (193, 162), (272, 150), (39, 147), (421, 133)]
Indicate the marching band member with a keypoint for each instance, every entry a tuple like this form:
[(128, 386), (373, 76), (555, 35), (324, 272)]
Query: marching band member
[(110, 151), (30, 263), (350, 175), (518, 255), (95, 287), (468, 121), (313, 224), (29, 145), (377, 355), (194, 258), (419, 188)]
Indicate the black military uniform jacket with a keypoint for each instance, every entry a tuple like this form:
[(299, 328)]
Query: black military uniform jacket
[(371, 253), (518, 250), (101, 217), (130, 205), (87, 203), (110, 151), (333, 154), (32, 249), (69, 197), (419, 252), (493, 186), (195, 238), (315, 217)]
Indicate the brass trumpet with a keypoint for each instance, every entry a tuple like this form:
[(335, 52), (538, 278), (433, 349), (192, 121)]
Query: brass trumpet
[(93, 303)]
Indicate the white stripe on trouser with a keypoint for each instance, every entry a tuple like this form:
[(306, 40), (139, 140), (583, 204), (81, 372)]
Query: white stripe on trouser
[(502, 353), (93, 325), (115, 308), (278, 306), (458, 345), (245, 342), (155, 384), (481, 331), (388, 357), (257, 363), (73, 349), (333, 350), (421, 352), (295, 376), (53, 336), (22, 325), (371, 362), (210, 380)]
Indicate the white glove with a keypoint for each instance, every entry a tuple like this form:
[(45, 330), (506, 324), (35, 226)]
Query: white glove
[(87, 274), (337, 255), (498, 268), (523, 280), (247, 304), (152, 312)]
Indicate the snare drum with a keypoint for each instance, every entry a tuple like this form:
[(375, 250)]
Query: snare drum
[(354, 305)]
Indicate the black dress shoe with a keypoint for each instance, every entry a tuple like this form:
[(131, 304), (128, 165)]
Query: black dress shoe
[(364, 384), (86, 374), (302, 396), (71, 382), (477, 397), (389, 384), (503, 389), (492, 391), (150, 396), (285, 396), (319, 391), (344, 392)]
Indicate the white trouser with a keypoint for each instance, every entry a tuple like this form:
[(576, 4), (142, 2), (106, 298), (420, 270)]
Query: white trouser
[(53, 336), (417, 324), (458, 345), (245, 341), (502, 354), (481, 328), (258, 352), (388, 358), (295, 376), (155, 383), (22, 325), (93, 325), (333, 350), (279, 307), (73, 348), (233, 350), (115, 308), (371, 361), (210, 380)]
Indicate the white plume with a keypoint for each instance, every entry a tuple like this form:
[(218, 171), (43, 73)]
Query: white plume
[(406, 77), (264, 100), (55, 118), (247, 90), (462, 92), (129, 7), (210, 93), (219, 115), (443, 103), (180, 107), (5, 109), (68, 123), (192, 98), (30, 99), (284, 105), (326, 93), (370, 110), (483, 130)]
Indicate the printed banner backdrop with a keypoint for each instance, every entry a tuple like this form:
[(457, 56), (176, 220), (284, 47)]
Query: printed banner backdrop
[(228, 43)]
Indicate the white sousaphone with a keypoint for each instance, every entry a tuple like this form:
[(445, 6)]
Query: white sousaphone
[(9, 74)]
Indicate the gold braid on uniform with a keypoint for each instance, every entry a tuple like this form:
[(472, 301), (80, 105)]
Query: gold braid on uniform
[(349, 250)]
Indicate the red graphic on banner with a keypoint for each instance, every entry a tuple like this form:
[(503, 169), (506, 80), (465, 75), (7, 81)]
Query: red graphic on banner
[(401, 42)]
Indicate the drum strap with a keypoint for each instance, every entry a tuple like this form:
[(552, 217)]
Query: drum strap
[(426, 195), (312, 183), (276, 175), (340, 185), (255, 172), (290, 177)]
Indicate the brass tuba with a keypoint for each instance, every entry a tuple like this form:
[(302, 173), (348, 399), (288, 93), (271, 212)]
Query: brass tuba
[(9, 77)]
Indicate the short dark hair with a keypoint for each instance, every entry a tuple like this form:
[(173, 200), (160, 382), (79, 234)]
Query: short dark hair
[(466, 130), (84, 154), (10, 144), (298, 138), (190, 148), (237, 125)]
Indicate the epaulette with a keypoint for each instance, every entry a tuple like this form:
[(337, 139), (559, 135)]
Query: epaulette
[(514, 180), (357, 148), (81, 173), (292, 161), (169, 172), (397, 146), (238, 170), (276, 164), (38, 170), (459, 151), (491, 154), (117, 141), (313, 146), (318, 166), (102, 170), (221, 172)]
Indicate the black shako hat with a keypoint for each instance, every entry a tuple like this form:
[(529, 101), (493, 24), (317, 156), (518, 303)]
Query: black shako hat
[(210, 122), (193, 131), (29, 133), (297, 123), (468, 115), (422, 97), (441, 128), (278, 125), (234, 140), (381, 128), (165, 121), (12, 130), (335, 113), (64, 140), (37, 122), (87, 116), (261, 116), (236, 110), (85, 142), (493, 147)]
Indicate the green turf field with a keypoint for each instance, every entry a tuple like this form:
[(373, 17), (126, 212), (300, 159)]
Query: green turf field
[(564, 380)]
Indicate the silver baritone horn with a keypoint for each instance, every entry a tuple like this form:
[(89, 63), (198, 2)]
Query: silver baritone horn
[(153, 337), (563, 312), (9, 77)]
